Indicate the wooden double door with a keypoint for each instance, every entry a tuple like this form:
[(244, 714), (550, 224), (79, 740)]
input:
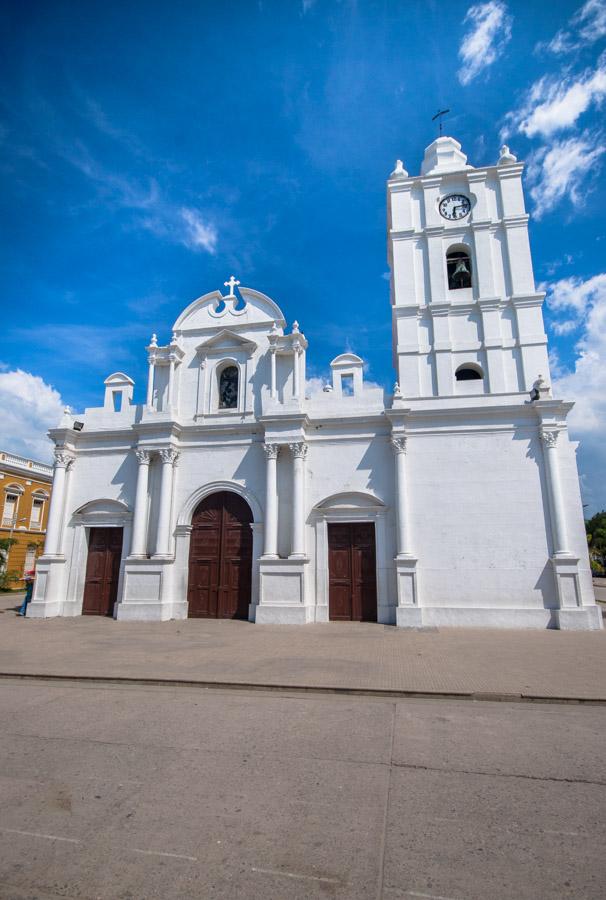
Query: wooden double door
[(102, 571), (220, 558), (352, 575)]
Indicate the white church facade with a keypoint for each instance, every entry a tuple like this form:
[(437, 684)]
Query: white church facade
[(232, 491)]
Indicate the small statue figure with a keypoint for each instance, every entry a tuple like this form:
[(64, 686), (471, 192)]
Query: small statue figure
[(399, 171)]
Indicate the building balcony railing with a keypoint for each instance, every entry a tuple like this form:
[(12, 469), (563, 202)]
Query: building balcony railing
[(22, 462)]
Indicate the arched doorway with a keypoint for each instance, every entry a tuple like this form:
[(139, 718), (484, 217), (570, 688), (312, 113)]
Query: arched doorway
[(220, 558)]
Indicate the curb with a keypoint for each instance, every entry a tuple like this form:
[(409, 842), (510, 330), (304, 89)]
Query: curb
[(378, 693)]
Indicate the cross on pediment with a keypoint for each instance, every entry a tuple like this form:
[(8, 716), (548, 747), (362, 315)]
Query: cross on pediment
[(231, 284)]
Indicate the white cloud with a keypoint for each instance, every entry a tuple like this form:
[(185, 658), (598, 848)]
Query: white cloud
[(198, 235), (483, 44), (558, 172), (585, 304), (553, 104), (29, 408), (586, 26)]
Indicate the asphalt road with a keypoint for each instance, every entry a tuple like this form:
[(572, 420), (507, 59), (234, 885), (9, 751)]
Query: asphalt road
[(157, 792)]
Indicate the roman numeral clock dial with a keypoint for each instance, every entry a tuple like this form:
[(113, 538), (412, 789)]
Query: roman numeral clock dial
[(455, 206)]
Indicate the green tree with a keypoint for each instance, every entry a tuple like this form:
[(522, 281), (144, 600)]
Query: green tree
[(6, 578), (596, 541)]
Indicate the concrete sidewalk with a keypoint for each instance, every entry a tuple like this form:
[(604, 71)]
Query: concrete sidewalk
[(336, 656)]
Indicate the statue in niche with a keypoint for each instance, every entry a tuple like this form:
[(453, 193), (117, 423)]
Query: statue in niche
[(228, 388)]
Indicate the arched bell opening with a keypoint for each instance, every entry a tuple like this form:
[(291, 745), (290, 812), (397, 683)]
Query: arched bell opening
[(458, 268)]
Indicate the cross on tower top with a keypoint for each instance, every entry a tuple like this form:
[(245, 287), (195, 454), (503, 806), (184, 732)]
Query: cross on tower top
[(438, 116), (231, 284)]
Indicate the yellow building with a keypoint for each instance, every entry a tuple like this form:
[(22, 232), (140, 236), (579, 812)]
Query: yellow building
[(25, 489)]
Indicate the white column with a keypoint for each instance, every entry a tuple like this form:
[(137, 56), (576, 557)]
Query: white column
[(150, 385), (403, 536), (296, 374), (554, 487), (171, 384), (273, 373), (63, 461), (299, 452), (271, 501), (168, 459), (139, 538)]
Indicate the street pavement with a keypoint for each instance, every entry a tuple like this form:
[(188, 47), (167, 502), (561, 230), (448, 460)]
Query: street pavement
[(136, 792)]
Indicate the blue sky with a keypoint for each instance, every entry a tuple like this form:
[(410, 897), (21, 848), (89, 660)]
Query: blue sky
[(150, 150)]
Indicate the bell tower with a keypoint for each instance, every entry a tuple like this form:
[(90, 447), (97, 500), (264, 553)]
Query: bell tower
[(467, 317)]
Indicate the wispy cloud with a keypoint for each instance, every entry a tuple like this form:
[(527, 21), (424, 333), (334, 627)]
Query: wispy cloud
[(586, 26), (119, 187), (199, 234), (92, 346), (583, 302), (560, 171), (490, 30), (556, 103)]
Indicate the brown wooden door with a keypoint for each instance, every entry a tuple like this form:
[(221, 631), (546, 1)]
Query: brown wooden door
[(102, 571), (352, 579), (220, 558)]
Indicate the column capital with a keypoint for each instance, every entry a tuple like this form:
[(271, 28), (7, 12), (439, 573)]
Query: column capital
[(143, 457), (271, 450), (299, 450), (64, 459), (169, 456), (399, 444), (549, 437)]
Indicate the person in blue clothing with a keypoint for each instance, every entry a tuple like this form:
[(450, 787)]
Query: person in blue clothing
[(29, 589)]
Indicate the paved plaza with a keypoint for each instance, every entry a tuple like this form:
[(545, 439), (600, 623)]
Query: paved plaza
[(337, 656)]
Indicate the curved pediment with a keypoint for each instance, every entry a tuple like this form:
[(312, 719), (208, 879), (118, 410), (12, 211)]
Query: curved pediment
[(347, 359), (213, 310), (350, 500), (103, 507), (118, 378)]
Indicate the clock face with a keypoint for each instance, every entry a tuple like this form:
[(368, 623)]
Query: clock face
[(455, 206)]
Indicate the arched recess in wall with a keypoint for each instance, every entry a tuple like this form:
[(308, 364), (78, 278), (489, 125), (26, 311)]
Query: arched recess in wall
[(228, 384), (194, 499), (469, 372)]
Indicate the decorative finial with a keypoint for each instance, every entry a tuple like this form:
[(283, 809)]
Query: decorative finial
[(506, 157), (295, 327), (154, 340), (396, 390), (231, 284), (399, 171), (174, 338)]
